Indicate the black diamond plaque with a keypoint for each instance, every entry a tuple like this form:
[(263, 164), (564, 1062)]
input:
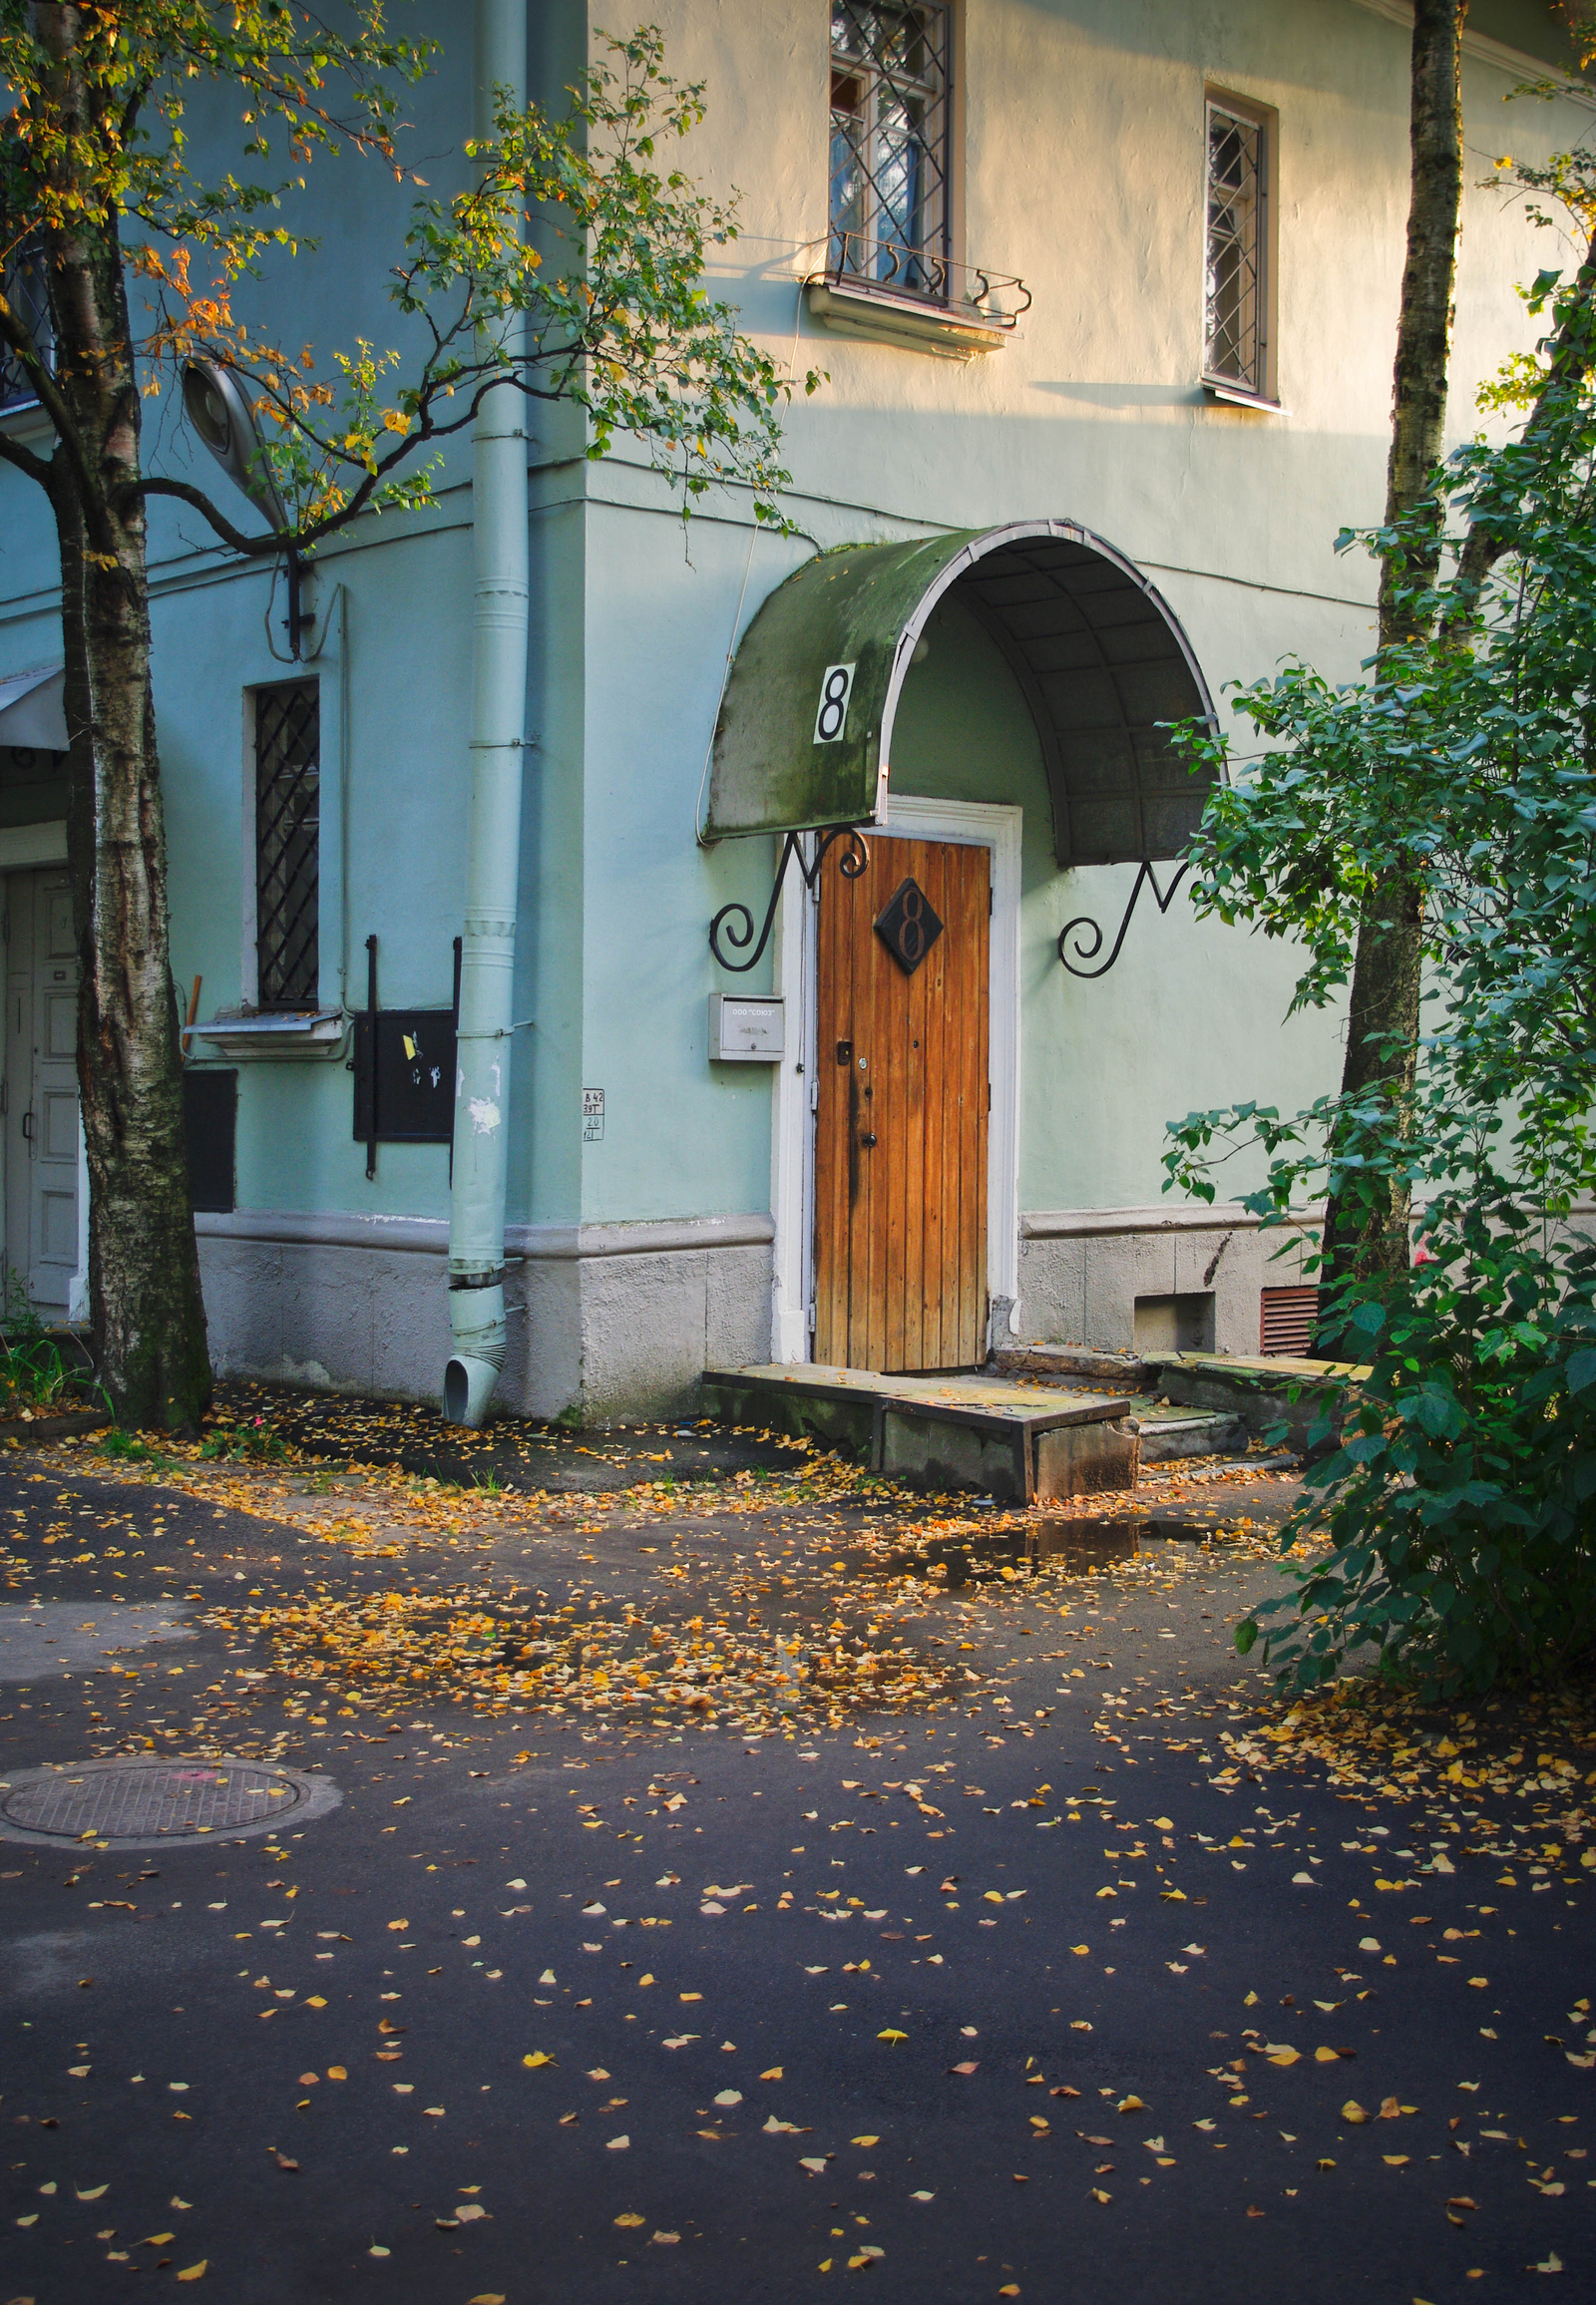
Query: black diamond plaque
[(908, 927)]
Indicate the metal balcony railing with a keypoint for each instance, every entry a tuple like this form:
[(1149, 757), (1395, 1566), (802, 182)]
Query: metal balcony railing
[(925, 277)]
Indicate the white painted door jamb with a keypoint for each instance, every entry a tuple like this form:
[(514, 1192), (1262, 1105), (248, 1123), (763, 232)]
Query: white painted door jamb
[(979, 824)]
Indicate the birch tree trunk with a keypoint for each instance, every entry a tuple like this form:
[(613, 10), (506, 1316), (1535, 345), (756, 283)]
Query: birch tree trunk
[(147, 1311), (1363, 1238)]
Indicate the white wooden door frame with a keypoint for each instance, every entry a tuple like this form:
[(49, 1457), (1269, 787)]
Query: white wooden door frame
[(28, 848), (963, 823)]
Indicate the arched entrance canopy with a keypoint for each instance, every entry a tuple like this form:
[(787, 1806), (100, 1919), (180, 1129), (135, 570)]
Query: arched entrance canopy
[(804, 737)]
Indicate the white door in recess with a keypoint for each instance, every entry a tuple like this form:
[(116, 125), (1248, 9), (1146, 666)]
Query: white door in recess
[(42, 1121)]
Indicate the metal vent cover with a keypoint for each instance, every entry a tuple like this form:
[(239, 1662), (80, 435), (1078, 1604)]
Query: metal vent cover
[(127, 1803)]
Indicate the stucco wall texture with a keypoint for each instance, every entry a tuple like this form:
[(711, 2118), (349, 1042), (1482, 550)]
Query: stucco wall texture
[(1078, 163)]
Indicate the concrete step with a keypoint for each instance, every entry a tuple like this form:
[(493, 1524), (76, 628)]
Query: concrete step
[(1265, 1394), (1076, 1364), (1167, 1431), (1014, 1441)]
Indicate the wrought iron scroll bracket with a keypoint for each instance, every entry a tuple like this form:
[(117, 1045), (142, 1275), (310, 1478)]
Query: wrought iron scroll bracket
[(735, 922), (1088, 935)]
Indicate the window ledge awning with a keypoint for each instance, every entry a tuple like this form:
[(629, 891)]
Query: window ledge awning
[(32, 709), (319, 1033), (804, 736), (861, 308)]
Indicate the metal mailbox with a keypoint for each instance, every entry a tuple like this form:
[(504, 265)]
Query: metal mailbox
[(745, 1029)]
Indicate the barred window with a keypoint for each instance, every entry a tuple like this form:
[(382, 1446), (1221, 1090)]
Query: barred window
[(287, 843), (889, 145), (29, 299), (1236, 350)]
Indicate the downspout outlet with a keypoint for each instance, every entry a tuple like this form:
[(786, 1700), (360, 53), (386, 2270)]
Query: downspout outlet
[(473, 1369)]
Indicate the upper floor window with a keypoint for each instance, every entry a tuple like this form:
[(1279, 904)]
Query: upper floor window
[(287, 843), (29, 299), (1237, 349), (890, 143)]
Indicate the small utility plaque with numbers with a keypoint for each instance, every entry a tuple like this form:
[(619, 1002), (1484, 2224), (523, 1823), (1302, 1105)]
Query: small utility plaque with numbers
[(745, 1030)]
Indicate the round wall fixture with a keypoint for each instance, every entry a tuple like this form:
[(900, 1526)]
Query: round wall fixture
[(126, 1803)]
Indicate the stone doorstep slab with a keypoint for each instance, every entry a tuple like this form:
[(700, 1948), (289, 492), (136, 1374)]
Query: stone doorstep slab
[(939, 1432)]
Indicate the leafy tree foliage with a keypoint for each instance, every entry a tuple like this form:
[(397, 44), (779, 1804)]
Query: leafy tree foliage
[(1458, 1483)]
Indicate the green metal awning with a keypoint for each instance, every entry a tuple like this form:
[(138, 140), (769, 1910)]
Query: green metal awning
[(804, 737)]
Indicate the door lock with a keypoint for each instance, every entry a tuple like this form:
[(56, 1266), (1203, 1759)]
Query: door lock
[(867, 1138)]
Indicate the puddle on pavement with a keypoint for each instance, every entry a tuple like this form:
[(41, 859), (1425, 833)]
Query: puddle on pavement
[(1084, 1542)]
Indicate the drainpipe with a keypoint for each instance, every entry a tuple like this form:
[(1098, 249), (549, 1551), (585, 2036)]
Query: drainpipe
[(493, 851)]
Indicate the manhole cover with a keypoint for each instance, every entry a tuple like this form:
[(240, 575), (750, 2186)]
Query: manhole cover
[(149, 1803)]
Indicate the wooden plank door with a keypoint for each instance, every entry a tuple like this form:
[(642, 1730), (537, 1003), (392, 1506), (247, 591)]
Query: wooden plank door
[(901, 1108)]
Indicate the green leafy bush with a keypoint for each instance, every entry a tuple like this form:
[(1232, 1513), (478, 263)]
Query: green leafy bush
[(35, 1373), (1458, 1491), (1457, 1494), (253, 1441)]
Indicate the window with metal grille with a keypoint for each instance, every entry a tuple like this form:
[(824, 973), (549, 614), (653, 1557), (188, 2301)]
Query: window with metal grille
[(30, 301), (287, 843), (1286, 1319), (1236, 348), (889, 145)]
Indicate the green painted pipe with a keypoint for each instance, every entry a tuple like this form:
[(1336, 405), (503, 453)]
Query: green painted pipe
[(493, 853)]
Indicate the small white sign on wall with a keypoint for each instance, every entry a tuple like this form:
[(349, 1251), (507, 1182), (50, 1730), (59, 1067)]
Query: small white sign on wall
[(747, 1030), (593, 1116)]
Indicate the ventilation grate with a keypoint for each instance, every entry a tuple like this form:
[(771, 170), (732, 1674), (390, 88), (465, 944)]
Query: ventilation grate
[(1286, 1319)]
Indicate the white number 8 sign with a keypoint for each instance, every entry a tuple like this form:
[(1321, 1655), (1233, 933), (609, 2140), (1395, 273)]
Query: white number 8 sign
[(836, 687)]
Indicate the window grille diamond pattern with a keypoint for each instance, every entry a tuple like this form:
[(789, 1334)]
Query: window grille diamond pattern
[(889, 145), (287, 843), (29, 299), (1233, 350)]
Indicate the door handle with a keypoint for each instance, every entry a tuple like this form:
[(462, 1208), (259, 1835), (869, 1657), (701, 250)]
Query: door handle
[(867, 1138), (26, 1124)]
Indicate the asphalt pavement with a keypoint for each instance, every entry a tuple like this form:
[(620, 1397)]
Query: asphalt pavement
[(1107, 2008)]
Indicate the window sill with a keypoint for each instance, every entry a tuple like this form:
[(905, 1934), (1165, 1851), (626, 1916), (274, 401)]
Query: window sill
[(314, 1032), (1237, 396), (22, 416), (861, 310)]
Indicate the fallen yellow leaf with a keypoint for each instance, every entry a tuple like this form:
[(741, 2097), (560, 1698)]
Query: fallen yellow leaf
[(1353, 2111), (1326, 2056), (775, 2074), (892, 2034), (194, 2272), (538, 2057), (314, 2001), (630, 2217), (336, 2072), (864, 2140)]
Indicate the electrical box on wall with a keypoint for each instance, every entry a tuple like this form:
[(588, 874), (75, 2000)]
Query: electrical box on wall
[(746, 1031)]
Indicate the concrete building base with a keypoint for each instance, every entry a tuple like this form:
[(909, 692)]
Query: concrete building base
[(621, 1321), (612, 1321), (1151, 1280)]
